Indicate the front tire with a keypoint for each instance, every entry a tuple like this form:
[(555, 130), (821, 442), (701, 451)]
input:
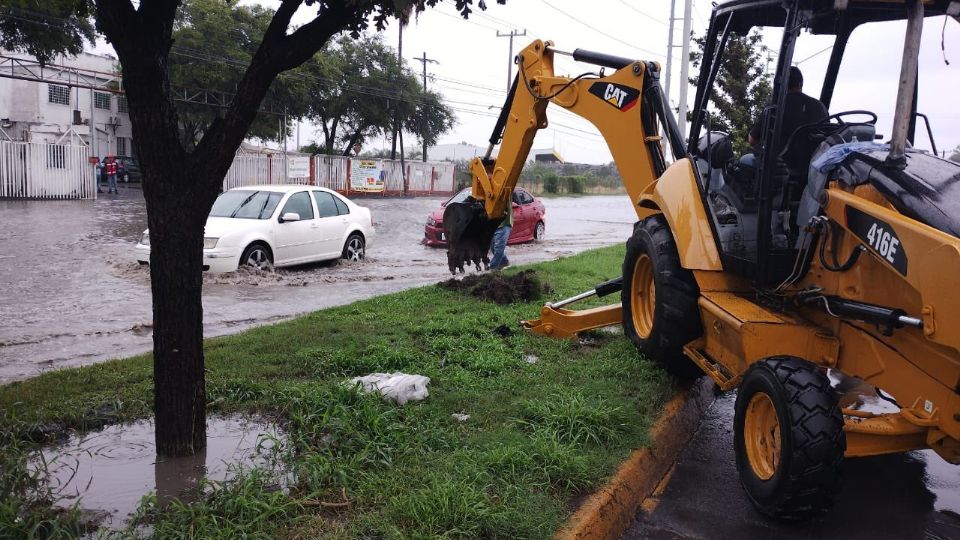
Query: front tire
[(257, 255), (355, 248), (659, 298), (788, 438), (539, 232)]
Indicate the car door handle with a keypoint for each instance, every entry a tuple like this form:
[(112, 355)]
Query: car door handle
[(314, 226)]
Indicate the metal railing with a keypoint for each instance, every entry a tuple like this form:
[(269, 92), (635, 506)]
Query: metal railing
[(56, 171), (45, 171), (343, 174)]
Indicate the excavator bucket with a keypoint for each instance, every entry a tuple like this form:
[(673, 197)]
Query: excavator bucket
[(468, 232)]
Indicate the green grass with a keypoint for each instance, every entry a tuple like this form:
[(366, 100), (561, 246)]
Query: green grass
[(539, 435)]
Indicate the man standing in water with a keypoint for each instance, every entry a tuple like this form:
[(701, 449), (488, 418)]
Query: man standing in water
[(500, 237), (110, 167)]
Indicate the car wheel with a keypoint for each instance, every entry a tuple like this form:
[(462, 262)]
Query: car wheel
[(258, 256), (355, 249), (539, 231)]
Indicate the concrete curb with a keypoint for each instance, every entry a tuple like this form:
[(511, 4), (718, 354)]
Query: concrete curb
[(611, 510)]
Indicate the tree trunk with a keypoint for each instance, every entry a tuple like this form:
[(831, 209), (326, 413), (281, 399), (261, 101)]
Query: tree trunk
[(176, 255), (353, 140)]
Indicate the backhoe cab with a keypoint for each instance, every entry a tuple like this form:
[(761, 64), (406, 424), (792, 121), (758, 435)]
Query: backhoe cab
[(834, 265)]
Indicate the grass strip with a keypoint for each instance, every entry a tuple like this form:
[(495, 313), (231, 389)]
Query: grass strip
[(549, 419)]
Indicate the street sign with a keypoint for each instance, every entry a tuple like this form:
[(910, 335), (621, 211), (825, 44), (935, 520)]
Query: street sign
[(298, 167)]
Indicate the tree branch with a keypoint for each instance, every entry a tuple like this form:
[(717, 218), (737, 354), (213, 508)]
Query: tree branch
[(277, 53)]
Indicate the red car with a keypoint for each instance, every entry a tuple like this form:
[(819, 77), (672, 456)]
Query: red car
[(529, 221)]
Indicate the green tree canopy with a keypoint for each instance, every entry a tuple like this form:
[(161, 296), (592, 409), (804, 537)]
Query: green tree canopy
[(742, 87), (360, 83), (214, 41), (46, 28)]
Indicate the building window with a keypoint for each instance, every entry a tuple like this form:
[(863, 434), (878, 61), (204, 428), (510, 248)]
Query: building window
[(101, 100), (56, 157), (121, 146), (122, 104), (58, 94)]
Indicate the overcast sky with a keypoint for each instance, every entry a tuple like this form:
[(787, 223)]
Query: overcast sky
[(472, 68)]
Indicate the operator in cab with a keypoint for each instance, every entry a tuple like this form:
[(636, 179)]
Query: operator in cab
[(799, 109)]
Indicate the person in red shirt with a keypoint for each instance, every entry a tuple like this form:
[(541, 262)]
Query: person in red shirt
[(110, 167)]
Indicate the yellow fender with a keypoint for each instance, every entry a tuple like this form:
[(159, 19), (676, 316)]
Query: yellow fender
[(676, 195)]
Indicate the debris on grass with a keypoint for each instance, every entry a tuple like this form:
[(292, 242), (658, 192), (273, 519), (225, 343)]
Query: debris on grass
[(531, 358), (503, 331), (397, 387), (499, 287), (459, 417)]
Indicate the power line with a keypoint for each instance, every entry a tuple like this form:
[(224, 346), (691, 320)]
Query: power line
[(647, 15), (597, 30), (818, 53)]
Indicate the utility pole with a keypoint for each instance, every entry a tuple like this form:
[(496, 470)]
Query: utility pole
[(396, 109), (425, 60), (511, 35), (668, 71), (685, 66), (283, 130)]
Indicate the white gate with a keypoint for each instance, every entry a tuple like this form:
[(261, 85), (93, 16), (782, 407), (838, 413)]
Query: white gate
[(255, 169), (333, 172), (45, 171)]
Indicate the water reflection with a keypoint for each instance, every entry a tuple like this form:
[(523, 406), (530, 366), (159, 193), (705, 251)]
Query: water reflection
[(109, 471)]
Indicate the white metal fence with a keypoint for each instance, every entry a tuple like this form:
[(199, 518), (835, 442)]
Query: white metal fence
[(56, 171), (45, 171), (337, 173)]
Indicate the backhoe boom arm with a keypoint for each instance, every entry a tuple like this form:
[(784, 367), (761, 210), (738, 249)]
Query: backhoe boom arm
[(626, 106)]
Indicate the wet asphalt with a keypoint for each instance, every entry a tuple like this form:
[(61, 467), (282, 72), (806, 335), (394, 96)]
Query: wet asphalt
[(72, 293), (904, 496)]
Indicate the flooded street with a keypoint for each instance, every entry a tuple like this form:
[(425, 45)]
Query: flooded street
[(73, 293)]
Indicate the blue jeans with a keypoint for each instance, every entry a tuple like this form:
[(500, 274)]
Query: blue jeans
[(499, 246), (111, 182)]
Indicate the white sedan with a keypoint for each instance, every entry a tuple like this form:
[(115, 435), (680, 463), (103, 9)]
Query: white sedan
[(279, 225)]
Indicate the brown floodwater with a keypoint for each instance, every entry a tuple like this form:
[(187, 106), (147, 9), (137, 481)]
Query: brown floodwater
[(72, 293), (107, 472)]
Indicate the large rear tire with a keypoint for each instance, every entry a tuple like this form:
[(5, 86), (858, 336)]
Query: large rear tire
[(659, 298), (788, 438)]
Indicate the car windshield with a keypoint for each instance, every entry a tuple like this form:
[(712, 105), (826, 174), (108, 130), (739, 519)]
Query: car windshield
[(246, 204), (460, 197)]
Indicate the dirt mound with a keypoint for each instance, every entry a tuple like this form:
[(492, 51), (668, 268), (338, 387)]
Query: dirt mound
[(501, 288)]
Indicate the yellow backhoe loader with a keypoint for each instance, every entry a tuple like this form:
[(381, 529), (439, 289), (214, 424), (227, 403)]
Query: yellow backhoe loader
[(779, 281)]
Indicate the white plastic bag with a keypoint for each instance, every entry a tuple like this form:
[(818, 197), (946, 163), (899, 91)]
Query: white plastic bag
[(397, 387)]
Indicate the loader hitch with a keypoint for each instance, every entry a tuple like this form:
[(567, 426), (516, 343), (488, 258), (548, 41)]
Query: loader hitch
[(469, 232), (555, 321)]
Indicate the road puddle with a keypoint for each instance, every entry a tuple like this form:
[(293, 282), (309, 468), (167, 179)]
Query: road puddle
[(107, 472)]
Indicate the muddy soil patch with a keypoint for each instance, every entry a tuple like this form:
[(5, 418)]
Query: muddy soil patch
[(500, 288)]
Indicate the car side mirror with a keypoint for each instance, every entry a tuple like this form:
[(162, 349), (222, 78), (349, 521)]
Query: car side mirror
[(289, 216)]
